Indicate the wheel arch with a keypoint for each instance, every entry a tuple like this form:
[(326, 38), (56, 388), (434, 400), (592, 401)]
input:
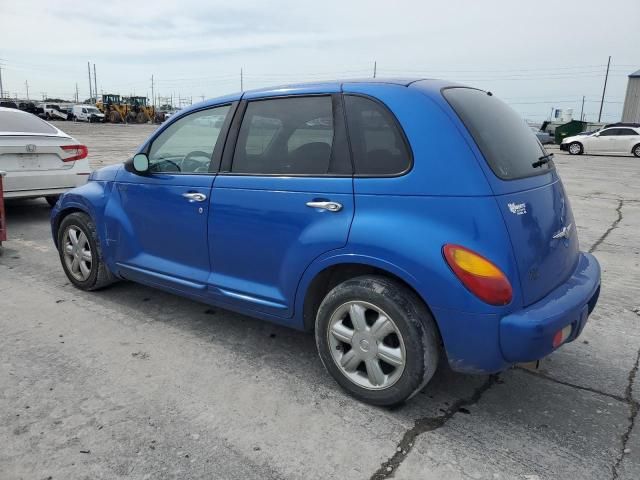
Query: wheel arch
[(61, 215), (324, 275)]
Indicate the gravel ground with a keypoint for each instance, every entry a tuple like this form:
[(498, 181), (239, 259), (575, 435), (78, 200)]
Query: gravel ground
[(135, 383)]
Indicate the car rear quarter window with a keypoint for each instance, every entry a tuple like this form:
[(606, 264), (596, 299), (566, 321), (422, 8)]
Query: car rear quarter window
[(377, 143), (508, 145), (20, 122), (286, 136)]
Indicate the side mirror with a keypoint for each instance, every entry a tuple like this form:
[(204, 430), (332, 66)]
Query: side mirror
[(141, 163)]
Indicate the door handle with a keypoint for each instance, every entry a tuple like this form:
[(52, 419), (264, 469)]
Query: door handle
[(331, 206), (195, 196)]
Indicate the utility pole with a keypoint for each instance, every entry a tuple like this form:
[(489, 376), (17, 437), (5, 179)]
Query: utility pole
[(1, 90), (375, 68), (582, 110), (77, 101), (604, 89), (153, 97), (95, 82), (241, 81), (26, 84), (90, 86)]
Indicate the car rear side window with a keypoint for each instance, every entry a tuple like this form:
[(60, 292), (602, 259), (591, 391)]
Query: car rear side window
[(21, 122), (626, 131), (508, 145), (286, 136), (377, 143)]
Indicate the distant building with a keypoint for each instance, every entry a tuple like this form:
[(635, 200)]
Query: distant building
[(631, 110)]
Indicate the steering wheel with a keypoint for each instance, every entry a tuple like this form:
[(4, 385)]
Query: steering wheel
[(196, 153), (157, 167)]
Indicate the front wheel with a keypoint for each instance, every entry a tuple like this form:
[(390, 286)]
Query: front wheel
[(80, 253), (377, 339), (575, 148), (636, 150)]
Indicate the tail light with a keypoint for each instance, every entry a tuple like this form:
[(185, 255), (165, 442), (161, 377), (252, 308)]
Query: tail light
[(479, 275), (71, 153)]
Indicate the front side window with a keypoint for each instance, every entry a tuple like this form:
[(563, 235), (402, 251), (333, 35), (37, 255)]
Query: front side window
[(501, 134), (377, 143), (608, 133), (286, 136), (186, 146)]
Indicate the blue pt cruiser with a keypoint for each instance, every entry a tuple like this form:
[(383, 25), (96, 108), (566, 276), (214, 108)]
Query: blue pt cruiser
[(405, 222)]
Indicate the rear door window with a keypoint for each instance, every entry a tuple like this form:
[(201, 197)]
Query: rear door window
[(20, 122), (377, 143), (508, 145), (286, 136), (626, 131)]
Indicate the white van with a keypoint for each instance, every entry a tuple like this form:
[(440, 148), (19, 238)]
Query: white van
[(87, 113)]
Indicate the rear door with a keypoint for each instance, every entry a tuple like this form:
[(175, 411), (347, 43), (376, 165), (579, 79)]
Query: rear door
[(283, 197), (527, 190), (627, 139)]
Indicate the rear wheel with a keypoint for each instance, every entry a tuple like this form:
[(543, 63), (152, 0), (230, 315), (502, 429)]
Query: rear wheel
[(636, 150), (52, 199), (575, 148), (80, 253), (377, 339)]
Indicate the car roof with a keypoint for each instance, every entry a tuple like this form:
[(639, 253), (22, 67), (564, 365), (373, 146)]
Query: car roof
[(429, 86)]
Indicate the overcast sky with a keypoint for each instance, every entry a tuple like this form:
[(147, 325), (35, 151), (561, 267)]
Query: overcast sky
[(533, 54)]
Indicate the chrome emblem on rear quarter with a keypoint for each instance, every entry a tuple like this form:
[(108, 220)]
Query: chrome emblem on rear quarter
[(564, 233), (30, 148)]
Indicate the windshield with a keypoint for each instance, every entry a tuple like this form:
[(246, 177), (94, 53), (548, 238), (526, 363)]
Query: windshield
[(505, 140), (93, 110)]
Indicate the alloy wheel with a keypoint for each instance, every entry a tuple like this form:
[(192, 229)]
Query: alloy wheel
[(78, 257), (574, 148), (366, 345)]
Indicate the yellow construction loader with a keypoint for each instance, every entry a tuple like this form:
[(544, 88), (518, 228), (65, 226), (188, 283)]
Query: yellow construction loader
[(112, 107)]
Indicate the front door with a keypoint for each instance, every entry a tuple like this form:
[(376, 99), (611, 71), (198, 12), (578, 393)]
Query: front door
[(285, 198), (606, 141), (161, 218)]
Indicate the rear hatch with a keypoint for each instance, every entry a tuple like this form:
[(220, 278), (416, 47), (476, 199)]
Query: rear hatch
[(527, 189)]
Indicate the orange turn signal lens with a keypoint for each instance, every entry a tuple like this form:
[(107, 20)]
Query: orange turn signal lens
[(479, 275)]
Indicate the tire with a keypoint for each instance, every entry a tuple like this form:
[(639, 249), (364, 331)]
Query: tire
[(52, 199), (98, 275), (575, 148), (636, 150), (412, 340)]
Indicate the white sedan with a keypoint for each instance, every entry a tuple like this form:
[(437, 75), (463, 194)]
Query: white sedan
[(39, 159), (616, 140)]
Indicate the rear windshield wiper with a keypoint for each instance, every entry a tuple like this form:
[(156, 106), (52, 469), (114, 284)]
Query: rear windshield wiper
[(543, 160)]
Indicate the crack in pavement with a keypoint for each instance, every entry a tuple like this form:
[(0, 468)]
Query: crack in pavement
[(610, 229), (428, 424), (634, 407), (573, 385)]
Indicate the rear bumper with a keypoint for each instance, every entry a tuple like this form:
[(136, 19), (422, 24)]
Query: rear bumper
[(488, 343), (29, 184), (528, 334)]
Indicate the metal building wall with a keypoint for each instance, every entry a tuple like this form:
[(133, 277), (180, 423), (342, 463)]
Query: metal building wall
[(631, 110)]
